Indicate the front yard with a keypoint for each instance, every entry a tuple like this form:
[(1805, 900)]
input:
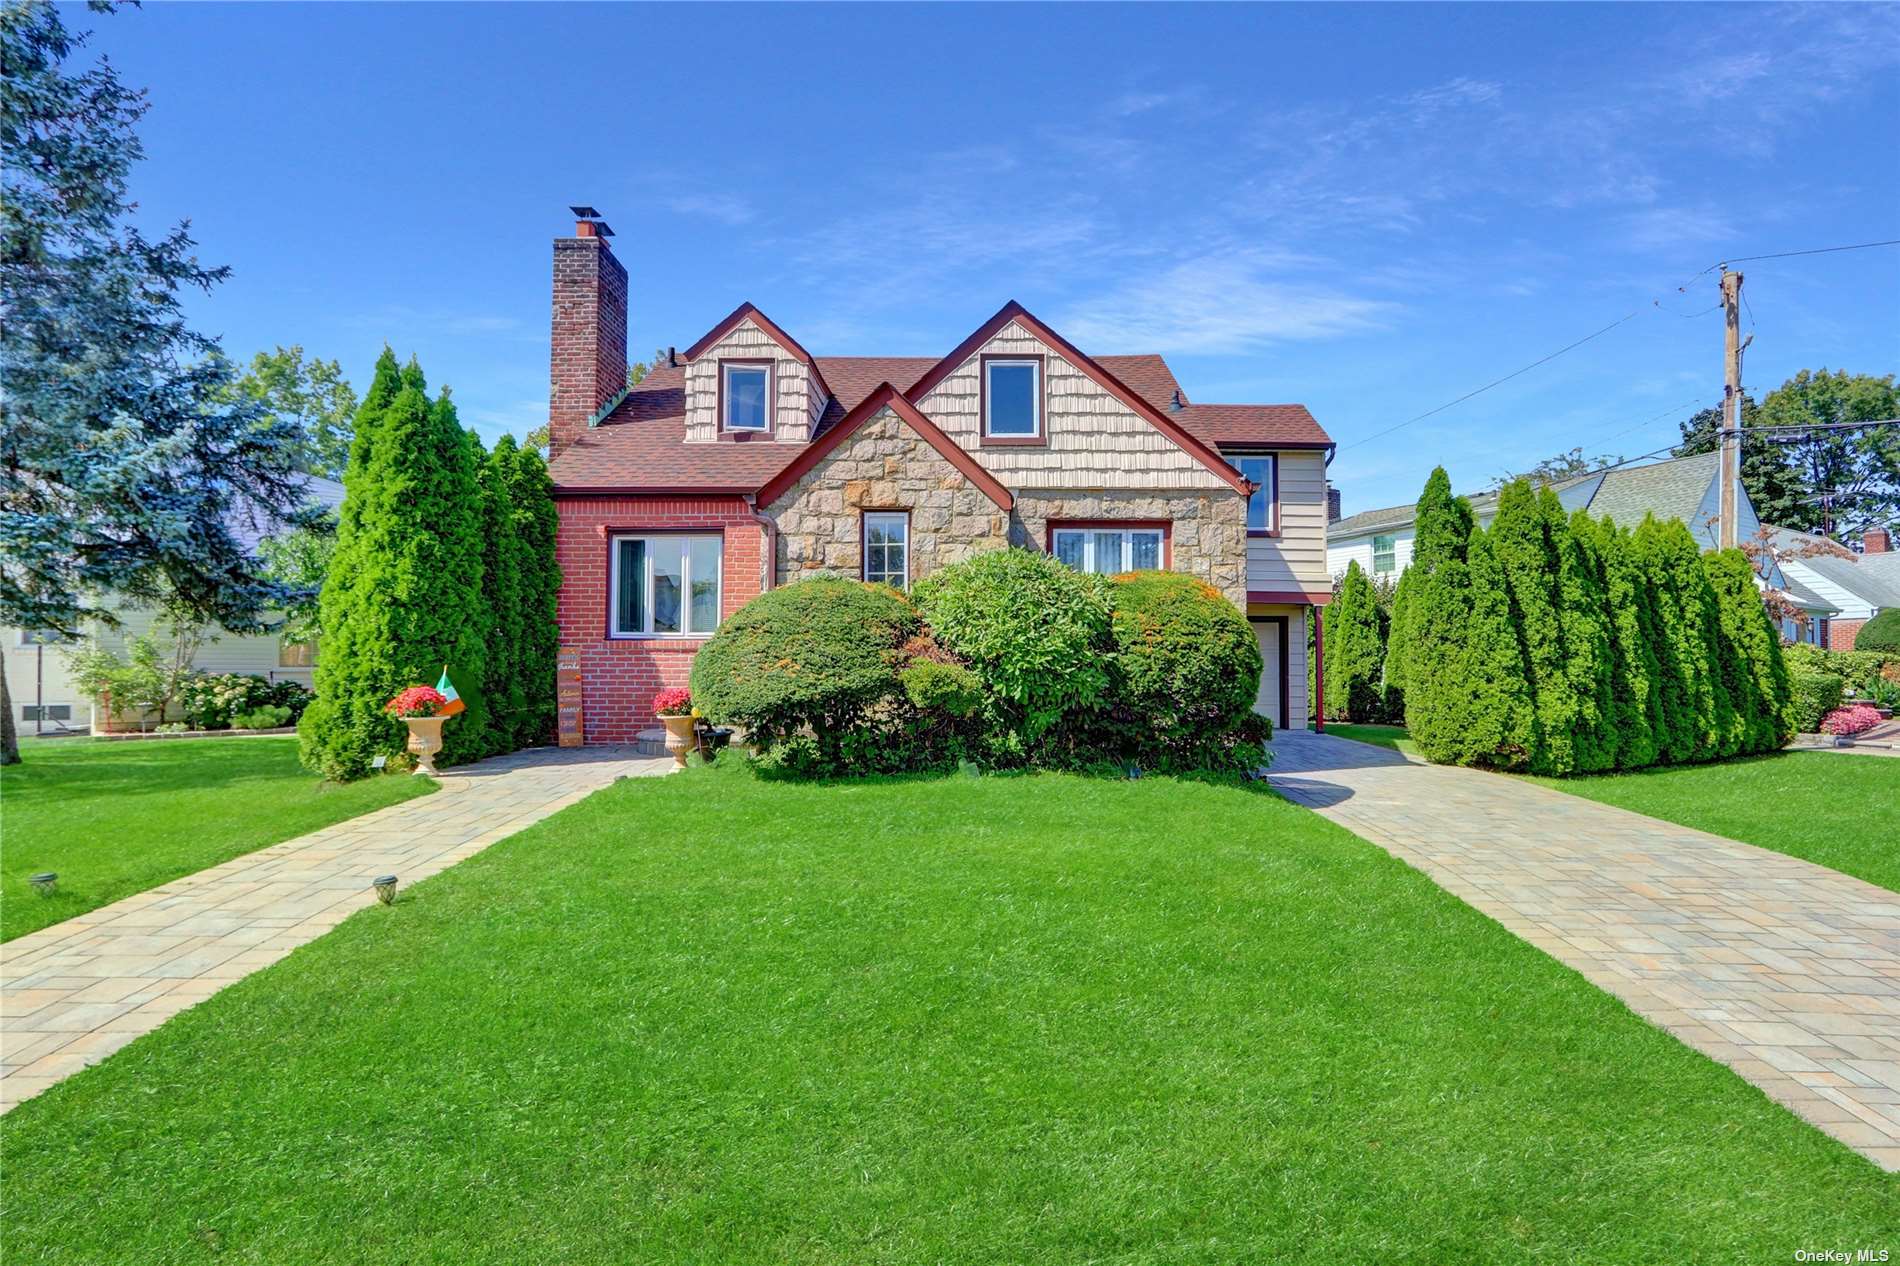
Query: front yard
[(708, 1018), (1837, 810), (117, 817)]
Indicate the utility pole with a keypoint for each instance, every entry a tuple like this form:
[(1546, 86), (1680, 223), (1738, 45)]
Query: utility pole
[(1727, 533)]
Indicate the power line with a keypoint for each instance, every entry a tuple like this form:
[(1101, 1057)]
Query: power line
[(1698, 403), (1819, 250)]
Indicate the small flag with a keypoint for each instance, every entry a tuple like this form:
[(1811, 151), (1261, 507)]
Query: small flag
[(446, 689)]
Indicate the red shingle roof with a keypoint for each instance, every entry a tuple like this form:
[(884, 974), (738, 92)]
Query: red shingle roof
[(641, 445)]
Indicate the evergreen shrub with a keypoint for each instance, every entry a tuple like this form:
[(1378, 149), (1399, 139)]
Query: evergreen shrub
[(1882, 633), (1814, 696)]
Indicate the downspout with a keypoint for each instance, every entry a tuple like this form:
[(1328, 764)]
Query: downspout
[(768, 565), (1319, 639)]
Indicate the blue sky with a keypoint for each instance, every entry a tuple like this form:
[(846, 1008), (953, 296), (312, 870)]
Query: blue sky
[(1368, 209)]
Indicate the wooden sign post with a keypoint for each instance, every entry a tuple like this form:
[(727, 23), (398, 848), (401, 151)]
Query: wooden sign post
[(567, 696)]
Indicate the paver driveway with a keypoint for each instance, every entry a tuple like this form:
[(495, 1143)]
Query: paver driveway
[(1786, 971), (73, 993)]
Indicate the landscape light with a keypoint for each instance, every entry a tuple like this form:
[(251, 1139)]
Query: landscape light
[(45, 882), (385, 886)]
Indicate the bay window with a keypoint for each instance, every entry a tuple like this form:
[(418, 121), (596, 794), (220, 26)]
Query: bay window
[(665, 586), (1108, 550)]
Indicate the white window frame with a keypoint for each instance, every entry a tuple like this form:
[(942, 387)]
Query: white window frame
[(902, 519), (726, 370), (27, 638), (42, 712), (1128, 535), (1269, 488), (1035, 398), (1393, 564), (684, 540)]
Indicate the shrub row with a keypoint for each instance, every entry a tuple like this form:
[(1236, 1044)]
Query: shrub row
[(1882, 633), (1563, 644), (1009, 659)]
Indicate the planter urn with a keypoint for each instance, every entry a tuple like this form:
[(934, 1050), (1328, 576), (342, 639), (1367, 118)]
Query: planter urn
[(425, 740), (680, 739)]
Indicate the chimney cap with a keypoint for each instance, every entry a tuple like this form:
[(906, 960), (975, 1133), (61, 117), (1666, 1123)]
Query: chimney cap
[(585, 213)]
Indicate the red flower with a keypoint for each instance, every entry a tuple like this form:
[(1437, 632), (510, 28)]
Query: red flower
[(1853, 719), (417, 701), (677, 702)]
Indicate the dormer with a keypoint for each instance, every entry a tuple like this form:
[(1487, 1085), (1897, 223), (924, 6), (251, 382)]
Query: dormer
[(747, 381)]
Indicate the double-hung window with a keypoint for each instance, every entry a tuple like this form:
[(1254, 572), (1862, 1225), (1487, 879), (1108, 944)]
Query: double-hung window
[(1262, 513), (1109, 550), (1012, 398), (1385, 551), (665, 586), (887, 549), (745, 391)]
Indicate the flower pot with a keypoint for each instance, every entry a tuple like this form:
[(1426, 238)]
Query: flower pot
[(425, 740), (680, 739)]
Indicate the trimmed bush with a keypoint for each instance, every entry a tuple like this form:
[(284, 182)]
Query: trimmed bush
[(1882, 633), (809, 668), (1186, 670), (1035, 631), (1814, 696), (1859, 669), (949, 690)]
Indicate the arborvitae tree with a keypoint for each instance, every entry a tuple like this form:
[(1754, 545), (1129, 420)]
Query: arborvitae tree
[(1441, 525), (1757, 675), (1435, 691), (531, 500), (404, 592), (1398, 636), (1636, 709), (501, 589), (1588, 660), (1520, 537), (1355, 649), (1489, 689), (1692, 621), (1674, 720)]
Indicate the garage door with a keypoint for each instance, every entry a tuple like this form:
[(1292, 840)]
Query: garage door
[(1270, 699)]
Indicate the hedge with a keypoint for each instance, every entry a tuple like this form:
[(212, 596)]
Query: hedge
[(1882, 633), (1859, 669), (1815, 695)]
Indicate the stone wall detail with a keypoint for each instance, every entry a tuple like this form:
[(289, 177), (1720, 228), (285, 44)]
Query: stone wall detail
[(1207, 536)]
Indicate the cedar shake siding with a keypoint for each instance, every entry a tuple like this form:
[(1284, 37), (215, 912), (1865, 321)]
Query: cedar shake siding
[(620, 676), (884, 465), (799, 399)]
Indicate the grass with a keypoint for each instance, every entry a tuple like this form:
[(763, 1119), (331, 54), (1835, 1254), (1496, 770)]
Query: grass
[(709, 1019), (1392, 736), (1838, 811), (117, 817)]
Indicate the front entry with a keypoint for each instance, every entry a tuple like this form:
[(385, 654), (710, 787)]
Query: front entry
[(1270, 699)]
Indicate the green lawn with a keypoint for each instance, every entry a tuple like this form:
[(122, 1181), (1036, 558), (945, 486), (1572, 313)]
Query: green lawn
[(117, 817), (1393, 736), (709, 1019)]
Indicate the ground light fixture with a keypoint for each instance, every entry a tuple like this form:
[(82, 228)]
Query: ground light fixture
[(385, 886), (44, 883)]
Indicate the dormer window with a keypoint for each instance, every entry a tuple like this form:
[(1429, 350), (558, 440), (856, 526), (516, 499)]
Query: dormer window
[(1012, 399), (745, 396)]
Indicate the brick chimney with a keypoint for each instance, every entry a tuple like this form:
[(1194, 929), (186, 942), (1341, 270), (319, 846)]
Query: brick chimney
[(1876, 541), (588, 353), (1332, 504)]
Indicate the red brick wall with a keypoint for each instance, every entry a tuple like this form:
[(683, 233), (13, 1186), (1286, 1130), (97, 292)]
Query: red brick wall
[(619, 676), (588, 351), (1840, 634)]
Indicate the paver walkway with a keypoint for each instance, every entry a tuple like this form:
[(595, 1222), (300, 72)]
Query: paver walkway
[(73, 993), (1786, 971)]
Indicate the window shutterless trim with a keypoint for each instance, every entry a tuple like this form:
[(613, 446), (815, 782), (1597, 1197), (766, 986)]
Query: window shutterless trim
[(1271, 487), (771, 396), (1040, 437), (1164, 526), (613, 537), (864, 543)]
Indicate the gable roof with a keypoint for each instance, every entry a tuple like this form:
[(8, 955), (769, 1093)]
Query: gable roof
[(1160, 419), (737, 317), (810, 454), (1873, 578), (640, 445), (1672, 489)]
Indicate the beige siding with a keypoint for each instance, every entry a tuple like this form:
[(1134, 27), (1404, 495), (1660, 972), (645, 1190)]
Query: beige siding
[(1296, 559), (799, 401), (1298, 705), (1094, 440)]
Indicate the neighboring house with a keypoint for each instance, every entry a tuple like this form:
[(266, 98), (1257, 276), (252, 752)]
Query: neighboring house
[(1681, 488), (47, 700), (746, 462), (1858, 586)]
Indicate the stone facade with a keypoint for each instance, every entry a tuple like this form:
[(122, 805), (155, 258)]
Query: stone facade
[(1207, 534), (799, 400), (884, 465)]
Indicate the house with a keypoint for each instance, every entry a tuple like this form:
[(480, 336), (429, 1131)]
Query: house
[(47, 700), (1685, 488), (1858, 586), (746, 462)]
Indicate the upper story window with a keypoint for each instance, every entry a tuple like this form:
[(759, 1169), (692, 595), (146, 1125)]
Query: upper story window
[(665, 586), (1108, 550), (887, 549), (1263, 511), (1385, 554), (42, 637), (745, 393), (1012, 398)]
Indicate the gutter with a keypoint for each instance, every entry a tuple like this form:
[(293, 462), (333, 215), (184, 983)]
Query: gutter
[(768, 565)]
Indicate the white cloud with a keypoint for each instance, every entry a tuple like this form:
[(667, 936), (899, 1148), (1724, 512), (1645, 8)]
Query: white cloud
[(726, 208)]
